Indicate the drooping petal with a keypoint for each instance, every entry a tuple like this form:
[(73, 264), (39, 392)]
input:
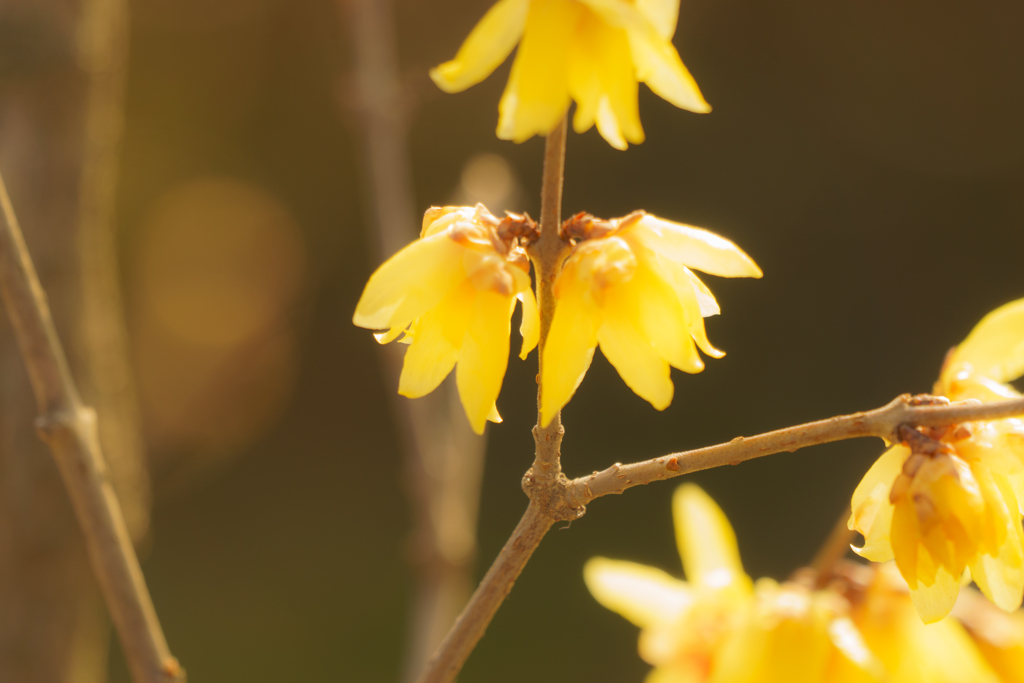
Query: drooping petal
[(662, 319), (644, 595), (694, 247), (602, 82), (707, 543), (428, 359), (409, 283), (659, 66), (691, 297), (621, 102), (935, 600), (487, 46), (584, 81), (537, 94), (569, 348), (632, 355), (871, 510), (484, 357), (608, 124), (529, 328), (1016, 483), (389, 336), (1001, 577), (995, 347), (663, 15), (655, 59), (904, 539), (708, 304)]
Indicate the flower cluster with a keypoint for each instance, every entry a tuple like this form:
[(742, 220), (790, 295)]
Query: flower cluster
[(628, 286), (948, 500), (592, 51), (719, 627), (450, 296)]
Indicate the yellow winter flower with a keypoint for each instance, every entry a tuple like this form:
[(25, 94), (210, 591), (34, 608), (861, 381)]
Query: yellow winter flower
[(719, 627), (592, 51), (998, 636), (627, 285), (451, 294), (911, 651), (950, 499)]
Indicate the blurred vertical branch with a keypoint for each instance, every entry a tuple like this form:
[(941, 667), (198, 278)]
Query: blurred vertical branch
[(62, 73), (444, 458)]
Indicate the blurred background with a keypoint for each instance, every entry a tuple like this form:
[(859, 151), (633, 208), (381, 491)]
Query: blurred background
[(868, 155)]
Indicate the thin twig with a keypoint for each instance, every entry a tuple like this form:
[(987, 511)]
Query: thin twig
[(544, 483), (69, 429), (442, 456), (882, 422)]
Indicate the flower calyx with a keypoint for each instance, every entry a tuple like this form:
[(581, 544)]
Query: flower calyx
[(585, 226)]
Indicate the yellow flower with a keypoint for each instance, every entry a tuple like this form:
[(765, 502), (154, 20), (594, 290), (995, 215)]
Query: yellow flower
[(592, 51), (911, 651), (998, 636), (451, 293), (719, 627), (950, 500), (627, 285)]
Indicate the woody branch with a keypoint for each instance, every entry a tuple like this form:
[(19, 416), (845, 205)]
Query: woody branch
[(884, 423), (69, 428)]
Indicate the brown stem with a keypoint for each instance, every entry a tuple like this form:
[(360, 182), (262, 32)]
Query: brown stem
[(544, 483), (882, 422), (467, 631), (69, 429), (443, 458), (547, 253)]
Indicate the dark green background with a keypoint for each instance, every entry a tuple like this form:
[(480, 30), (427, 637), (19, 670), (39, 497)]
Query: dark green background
[(868, 154)]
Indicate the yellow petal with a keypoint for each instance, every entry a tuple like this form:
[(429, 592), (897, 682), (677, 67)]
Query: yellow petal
[(389, 336), (995, 347), (608, 125), (494, 416), (707, 543), (655, 59), (428, 360), (691, 293), (537, 95), (934, 601), (602, 81), (663, 15), (904, 539), (484, 357), (1016, 483), (631, 354), (569, 348), (529, 328), (410, 283), (1001, 577), (694, 247), (487, 46), (644, 595), (871, 510), (708, 304), (857, 663), (660, 317)]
